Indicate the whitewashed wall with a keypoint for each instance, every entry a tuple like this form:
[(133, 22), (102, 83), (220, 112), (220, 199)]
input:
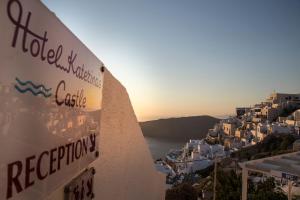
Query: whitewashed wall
[(124, 170)]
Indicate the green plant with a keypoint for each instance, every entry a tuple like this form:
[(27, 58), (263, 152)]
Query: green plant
[(182, 192)]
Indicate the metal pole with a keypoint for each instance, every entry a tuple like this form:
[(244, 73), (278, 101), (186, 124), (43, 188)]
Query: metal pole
[(289, 190), (244, 183), (215, 178)]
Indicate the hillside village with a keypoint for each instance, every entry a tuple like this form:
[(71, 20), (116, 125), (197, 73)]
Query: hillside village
[(279, 115)]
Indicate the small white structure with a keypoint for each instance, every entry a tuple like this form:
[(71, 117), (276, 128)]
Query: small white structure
[(194, 165), (285, 166), (262, 131), (164, 168), (296, 115), (279, 128)]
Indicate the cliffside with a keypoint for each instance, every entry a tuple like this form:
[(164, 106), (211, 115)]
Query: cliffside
[(183, 128)]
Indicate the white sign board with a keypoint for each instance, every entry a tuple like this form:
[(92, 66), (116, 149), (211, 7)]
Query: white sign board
[(50, 102)]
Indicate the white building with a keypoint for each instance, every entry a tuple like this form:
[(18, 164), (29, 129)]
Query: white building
[(262, 131), (279, 128), (278, 98), (164, 168)]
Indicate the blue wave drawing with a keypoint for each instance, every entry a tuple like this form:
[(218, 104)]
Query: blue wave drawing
[(33, 85), (36, 90)]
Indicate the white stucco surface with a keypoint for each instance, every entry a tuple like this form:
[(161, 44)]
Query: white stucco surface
[(124, 169)]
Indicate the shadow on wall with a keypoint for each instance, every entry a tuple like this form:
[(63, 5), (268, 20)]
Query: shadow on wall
[(125, 168)]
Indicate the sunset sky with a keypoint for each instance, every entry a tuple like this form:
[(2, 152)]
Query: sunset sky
[(182, 58)]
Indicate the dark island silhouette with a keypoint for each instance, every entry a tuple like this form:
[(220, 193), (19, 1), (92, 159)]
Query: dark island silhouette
[(181, 129)]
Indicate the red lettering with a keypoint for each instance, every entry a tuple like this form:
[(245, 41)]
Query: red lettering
[(61, 153), (85, 145), (56, 93), (73, 152), (70, 100), (28, 170), (38, 167), (68, 153), (19, 179), (78, 149), (52, 160), (13, 179)]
